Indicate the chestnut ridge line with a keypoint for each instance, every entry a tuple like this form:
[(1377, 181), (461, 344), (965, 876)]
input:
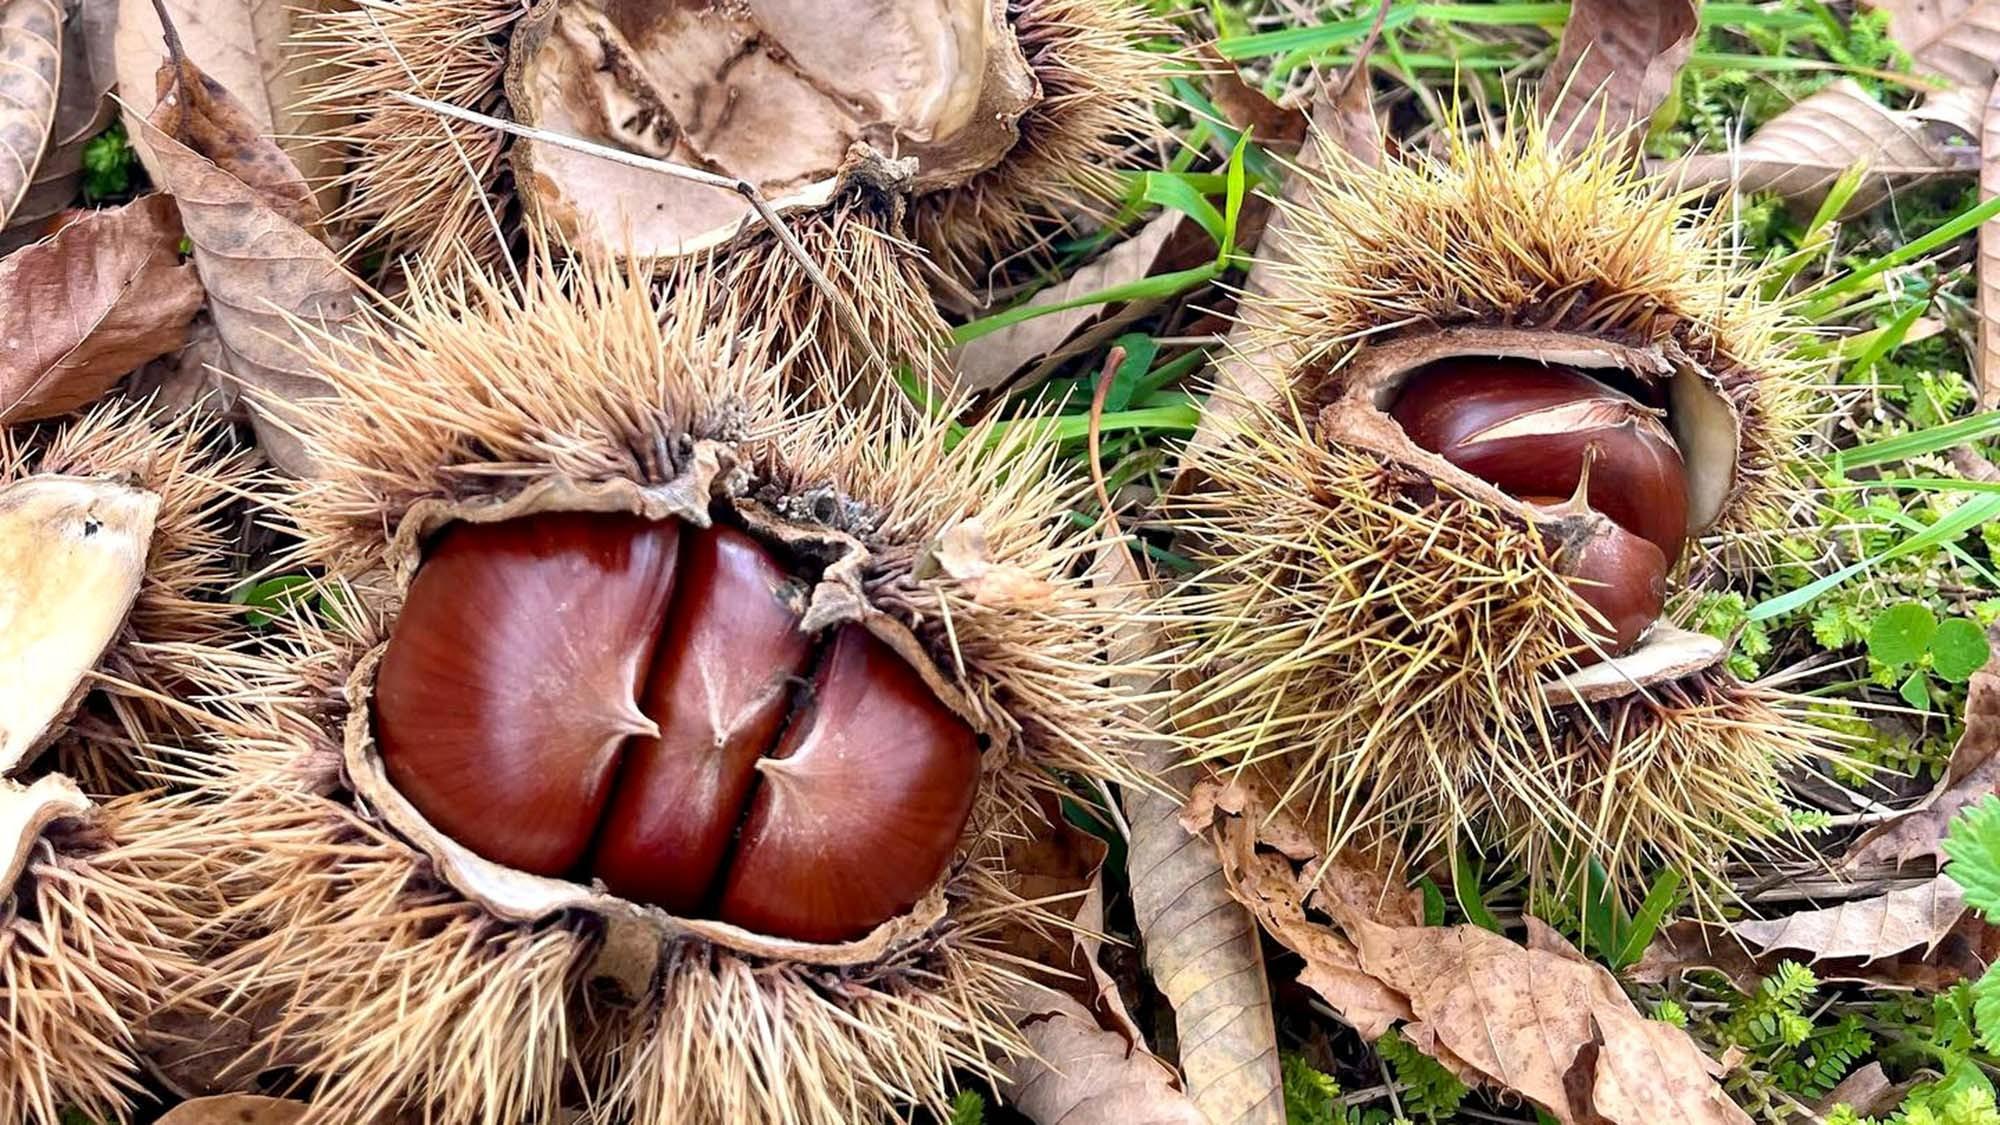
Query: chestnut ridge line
[(842, 307)]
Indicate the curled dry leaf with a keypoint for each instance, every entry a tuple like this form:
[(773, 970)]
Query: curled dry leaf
[(1963, 953), (1615, 65), (82, 110), (1957, 39), (72, 552), (1542, 1021), (31, 46), (991, 362), (262, 271), (1092, 1077), (1867, 1092), (963, 554), (236, 1109), (1088, 1064), (1913, 918), (1202, 947), (1277, 127), (25, 810), (1973, 773), (1802, 151), (104, 295), (939, 84), (247, 47), (197, 111)]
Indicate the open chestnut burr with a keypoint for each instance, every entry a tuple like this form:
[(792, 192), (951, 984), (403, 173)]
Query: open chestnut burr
[(1540, 432), (604, 697)]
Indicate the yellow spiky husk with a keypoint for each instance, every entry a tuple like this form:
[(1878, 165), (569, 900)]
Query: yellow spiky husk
[(400, 993), (1382, 637), (95, 933), (93, 939)]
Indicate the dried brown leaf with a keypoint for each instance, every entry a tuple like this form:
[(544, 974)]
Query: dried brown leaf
[(1091, 1076), (1914, 918), (1276, 127), (1802, 151), (1867, 1091), (260, 269), (1202, 947), (82, 110), (1963, 953), (31, 45), (991, 362), (246, 47), (1615, 65), (236, 1109), (197, 111), (1973, 773), (107, 293), (1958, 39), (1544, 1022), (1989, 251)]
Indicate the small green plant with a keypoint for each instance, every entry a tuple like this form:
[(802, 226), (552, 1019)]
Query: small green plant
[(108, 161), (1314, 1098), (1907, 643), (1429, 1092), (968, 1108)]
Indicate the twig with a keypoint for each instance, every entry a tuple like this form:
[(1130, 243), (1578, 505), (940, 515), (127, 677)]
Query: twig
[(1112, 360), (842, 307)]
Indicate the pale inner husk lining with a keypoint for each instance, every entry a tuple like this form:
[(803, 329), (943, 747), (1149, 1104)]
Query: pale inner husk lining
[(522, 897)]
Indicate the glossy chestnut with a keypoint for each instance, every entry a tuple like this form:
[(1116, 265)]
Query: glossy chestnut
[(1528, 428), (600, 697), (1616, 573)]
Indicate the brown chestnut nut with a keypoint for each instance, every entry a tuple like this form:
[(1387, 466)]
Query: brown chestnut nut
[(720, 689), (862, 803), (601, 697), (1528, 427), (511, 682), (1616, 573)]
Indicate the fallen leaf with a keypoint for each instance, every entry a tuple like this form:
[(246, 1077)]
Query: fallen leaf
[(1544, 1022), (31, 43), (990, 362), (102, 296), (1201, 945), (1802, 151), (1276, 127), (962, 553), (1973, 773), (1914, 918), (259, 269), (236, 1109), (72, 552), (1958, 39), (82, 110), (247, 47), (1615, 65), (197, 111), (1989, 251), (1963, 953), (1092, 1076)]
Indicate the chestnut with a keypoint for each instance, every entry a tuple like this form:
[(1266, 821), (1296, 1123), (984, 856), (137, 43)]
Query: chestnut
[(720, 690), (862, 804), (1528, 427), (602, 697), (510, 686), (1616, 573)]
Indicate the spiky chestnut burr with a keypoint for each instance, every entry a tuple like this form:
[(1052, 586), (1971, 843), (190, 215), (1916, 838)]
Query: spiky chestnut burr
[(1441, 348), (731, 600), (880, 131), (112, 573)]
